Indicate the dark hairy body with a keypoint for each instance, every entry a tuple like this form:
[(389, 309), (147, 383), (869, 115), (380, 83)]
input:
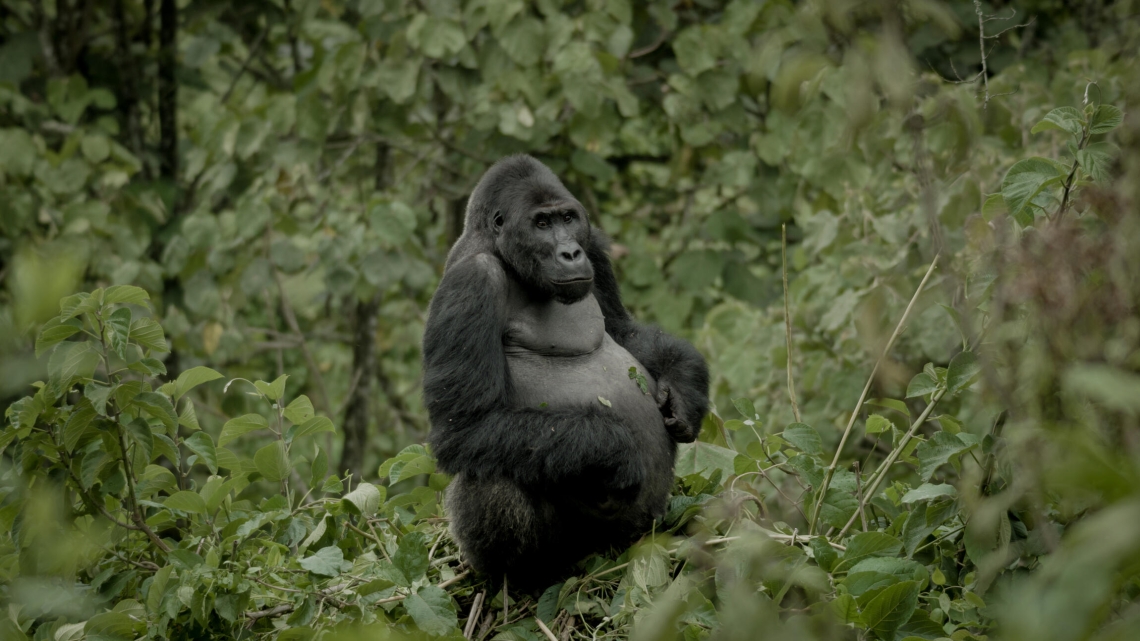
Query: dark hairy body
[(556, 452)]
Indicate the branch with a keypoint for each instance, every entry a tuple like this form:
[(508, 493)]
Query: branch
[(863, 397), (245, 65), (788, 321)]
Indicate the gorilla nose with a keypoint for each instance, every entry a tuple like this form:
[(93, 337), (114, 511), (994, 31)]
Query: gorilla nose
[(570, 255)]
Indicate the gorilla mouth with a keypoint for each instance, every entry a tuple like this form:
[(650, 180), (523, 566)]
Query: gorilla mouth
[(573, 281)]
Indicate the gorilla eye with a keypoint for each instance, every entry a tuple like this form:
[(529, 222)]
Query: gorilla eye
[(541, 223), (568, 217), (498, 219)]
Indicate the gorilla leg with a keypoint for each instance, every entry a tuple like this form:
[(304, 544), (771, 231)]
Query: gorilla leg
[(502, 529)]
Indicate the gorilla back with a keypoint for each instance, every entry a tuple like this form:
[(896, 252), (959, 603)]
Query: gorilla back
[(555, 448)]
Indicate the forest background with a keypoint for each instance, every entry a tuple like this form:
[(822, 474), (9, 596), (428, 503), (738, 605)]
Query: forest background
[(221, 224)]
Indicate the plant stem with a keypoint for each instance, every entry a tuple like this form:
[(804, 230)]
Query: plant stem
[(788, 321), (863, 397), (881, 473)]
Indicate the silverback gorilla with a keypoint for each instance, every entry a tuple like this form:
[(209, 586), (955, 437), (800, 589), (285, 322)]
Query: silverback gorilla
[(556, 451)]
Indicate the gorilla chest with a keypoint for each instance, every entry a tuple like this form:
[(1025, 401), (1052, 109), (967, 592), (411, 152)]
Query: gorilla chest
[(560, 356)]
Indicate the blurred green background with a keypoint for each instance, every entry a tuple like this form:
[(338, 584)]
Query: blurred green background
[(284, 179)]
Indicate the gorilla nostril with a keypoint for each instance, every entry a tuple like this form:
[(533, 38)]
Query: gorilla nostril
[(577, 253)]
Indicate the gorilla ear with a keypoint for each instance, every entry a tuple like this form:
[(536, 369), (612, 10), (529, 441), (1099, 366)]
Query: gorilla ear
[(498, 220)]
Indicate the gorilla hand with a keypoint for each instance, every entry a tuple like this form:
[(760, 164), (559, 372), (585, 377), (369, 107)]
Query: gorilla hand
[(675, 412)]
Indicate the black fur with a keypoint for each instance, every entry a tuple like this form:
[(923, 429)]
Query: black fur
[(538, 486)]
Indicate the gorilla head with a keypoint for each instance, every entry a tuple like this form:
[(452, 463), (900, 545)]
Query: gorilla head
[(523, 213)]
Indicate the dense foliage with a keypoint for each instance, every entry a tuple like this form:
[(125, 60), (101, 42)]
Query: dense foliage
[(220, 225)]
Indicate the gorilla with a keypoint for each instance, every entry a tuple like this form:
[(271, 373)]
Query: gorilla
[(555, 412)]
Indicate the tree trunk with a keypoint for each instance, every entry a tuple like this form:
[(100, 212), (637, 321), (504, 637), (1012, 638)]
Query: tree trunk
[(128, 88), (168, 90), (358, 410)]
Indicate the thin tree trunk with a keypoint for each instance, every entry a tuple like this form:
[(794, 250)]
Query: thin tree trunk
[(128, 89), (168, 90), (359, 408)]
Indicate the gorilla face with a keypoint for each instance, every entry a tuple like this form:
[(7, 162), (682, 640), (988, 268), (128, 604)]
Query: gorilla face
[(541, 238)]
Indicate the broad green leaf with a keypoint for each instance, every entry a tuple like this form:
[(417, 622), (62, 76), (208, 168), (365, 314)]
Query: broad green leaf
[(365, 499), (158, 406), (1105, 119), (148, 333), (186, 501), (846, 609), (433, 610), (746, 408), (524, 40), (98, 394), (77, 425), (315, 425), (244, 424), (189, 418), (837, 507), (1096, 160), (891, 403), (804, 438), (902, 569), (993, 207), (80, 304), (938, 451), (1067, 119), (859, 583), (203, 445), (1024, 181), (1114, 388), (868, 544), (300, 410), (158, 589), (319, 467), (128, 294), (892, 607), (328, 561), (55, 332), (273, 462), (404, 470), (192, 378), (877, 424), (963, 371), (926, 491), (703, 458), (694, 50), (921, 385), (72, 360), (411, 558), (112, 626), (274, 390)]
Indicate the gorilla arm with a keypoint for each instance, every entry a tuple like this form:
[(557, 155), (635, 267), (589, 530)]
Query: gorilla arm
[(681, 372), (475, 426)]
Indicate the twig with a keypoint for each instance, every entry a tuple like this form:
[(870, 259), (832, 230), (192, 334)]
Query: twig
[(863, 397), (271, 612), (505, 599), (291, 320), (881, 473), (788, 322), (245, 65), (473, 618), (859, 495), (545, 630)]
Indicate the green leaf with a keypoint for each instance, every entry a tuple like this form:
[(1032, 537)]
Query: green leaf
[(273, 391), (1067, 119), (244, 424), (156, 405), (404, 470), (111, 626), (892, 607), (186, 501), (524, 40), (328, 561), (1024, 181), (938, 451), (804, 438), (77, 425), (747, 409), (158, 589), (605, 401), (55, 332), (837, 507), (433, 610), (891, 403), (273, 461), (188, 418), (921, 385), (192, 378), (80, 304), (72, 360), (315, 425), (1105, 119), (411, 559), (994, 206), (868, 544), (148, 333), (926, 491), (128, 294), (877, 424), (319, 468), (1096, 160), (1112, 387), (203, 445), (963, 371), (704, 458), (365, 499), (300, 410), (694, 50), (98, 394)]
